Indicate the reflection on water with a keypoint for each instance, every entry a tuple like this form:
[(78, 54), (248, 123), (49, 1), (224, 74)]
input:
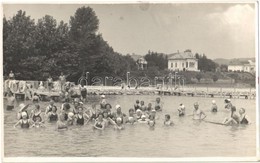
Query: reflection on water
[(186, 138)]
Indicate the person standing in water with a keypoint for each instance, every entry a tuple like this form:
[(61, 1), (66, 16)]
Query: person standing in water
[(181, 110), (62, 79), (11, 75), (214, 107), (25, 122), (103, 102), (10, 101), (228, 104), (137, 105), (158, 105), (197, 113), (243, 118)]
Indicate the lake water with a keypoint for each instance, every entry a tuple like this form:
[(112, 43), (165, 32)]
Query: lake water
[(188, 138)]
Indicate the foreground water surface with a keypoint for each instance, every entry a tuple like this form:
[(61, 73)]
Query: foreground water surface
[(188, 138)]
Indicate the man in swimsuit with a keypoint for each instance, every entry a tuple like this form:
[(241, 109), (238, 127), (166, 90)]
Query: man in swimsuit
[(197, 113)]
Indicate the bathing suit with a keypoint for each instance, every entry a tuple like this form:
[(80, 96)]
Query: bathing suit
[(25, 125), (50, 108), (53, 117), (84, 92), (99, 125), (137, 106), (65, 116), (80, 121), (35, 116), (244, 121)]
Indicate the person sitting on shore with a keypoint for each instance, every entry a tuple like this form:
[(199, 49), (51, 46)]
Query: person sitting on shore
[(197, 113), (25, 122), (137, 105), (228, 104), (50, 107), (168, 121), (243, 118), (143, 107), (233, 119), (181, 110), (36, 113), (10, 101), (52, 116), (158, 106), (99, 123), (214, 107), (103, 102)]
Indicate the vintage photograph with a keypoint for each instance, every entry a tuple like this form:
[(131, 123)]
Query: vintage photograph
[(137, 80)]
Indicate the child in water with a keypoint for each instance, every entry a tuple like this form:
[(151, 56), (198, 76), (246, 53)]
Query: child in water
[(181, 110), (168, 121), (214, 107), (25, 122)]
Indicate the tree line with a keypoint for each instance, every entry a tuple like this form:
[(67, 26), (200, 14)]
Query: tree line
[(37, 50)]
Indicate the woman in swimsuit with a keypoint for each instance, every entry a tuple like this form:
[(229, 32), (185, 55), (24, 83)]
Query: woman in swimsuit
[(81, 118), (36, 113), (61, 123), (65, 109), (108, 110), (24, 122), (52, 115), (99, 123)]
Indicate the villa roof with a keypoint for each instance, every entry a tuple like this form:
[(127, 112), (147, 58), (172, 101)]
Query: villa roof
[(181, 55)]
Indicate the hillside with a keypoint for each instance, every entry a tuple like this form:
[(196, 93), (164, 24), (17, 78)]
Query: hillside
[(227, 61)]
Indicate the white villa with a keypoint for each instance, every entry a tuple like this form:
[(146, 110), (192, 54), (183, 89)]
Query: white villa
[(248, 66), (182, 61), (140, 61)]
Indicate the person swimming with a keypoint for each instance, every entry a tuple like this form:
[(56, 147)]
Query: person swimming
[(181, 110), (168, 121), (197, 113), (214, 107), (25, 122)]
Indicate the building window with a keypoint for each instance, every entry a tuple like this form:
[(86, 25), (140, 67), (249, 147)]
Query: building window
[(182, 64), (175, 64), (171, 65), (192, 64), (187, 64)]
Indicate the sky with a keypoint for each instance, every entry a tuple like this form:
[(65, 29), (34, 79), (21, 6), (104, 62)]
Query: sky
[(219, 30)]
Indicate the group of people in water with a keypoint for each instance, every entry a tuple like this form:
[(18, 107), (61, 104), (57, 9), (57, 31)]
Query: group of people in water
[(76, 113)]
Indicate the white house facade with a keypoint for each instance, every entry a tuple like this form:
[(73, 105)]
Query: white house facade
[(245, 67), (184, 61)]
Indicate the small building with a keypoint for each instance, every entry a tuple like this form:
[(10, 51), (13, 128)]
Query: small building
[(242, 66), (182, 61), (140, 61)]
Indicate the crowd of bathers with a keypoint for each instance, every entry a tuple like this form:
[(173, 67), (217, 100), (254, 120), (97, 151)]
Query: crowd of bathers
[(102, 115)]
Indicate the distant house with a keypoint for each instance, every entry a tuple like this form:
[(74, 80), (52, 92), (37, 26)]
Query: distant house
[(182, 61), (242, 66), (140, 61)]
